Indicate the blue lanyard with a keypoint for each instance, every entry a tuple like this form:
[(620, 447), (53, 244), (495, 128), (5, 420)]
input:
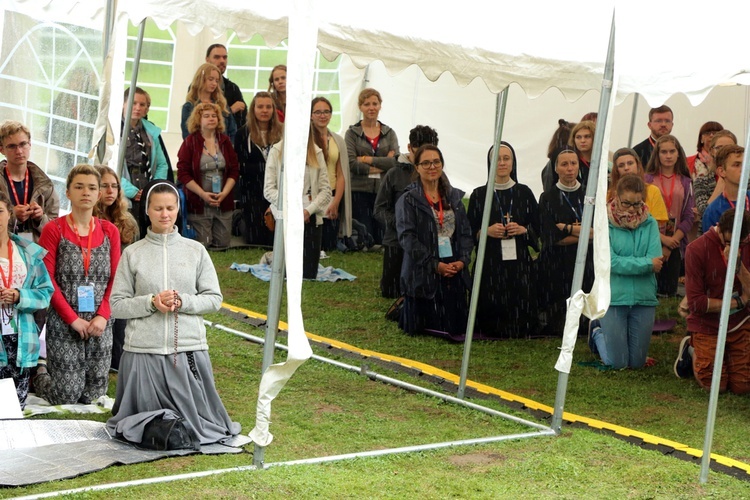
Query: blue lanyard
[(578, 213), (505, 217)]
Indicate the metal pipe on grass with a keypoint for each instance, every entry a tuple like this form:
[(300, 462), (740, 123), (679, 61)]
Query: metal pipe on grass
[(389, 380)]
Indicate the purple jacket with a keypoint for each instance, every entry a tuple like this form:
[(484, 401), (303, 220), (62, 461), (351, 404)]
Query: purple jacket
[(686, 216)]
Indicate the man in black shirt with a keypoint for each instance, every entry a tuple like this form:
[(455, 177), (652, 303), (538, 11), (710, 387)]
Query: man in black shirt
[(660, 122), (217, 55)]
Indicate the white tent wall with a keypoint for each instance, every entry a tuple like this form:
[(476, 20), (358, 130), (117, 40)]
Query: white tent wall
[(464, 118)]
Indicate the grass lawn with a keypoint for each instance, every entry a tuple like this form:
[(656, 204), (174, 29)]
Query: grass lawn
[(325, 411)]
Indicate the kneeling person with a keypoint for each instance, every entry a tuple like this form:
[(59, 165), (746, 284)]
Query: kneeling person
[(705, 272)]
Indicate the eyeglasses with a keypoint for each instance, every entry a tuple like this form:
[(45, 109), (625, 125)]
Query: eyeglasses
[(629, 204), (21, 145), (110, 186), (430, 164), (322, 112), (662, 121)]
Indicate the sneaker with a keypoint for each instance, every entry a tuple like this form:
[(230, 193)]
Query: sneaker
[(683, 367), (323, 255)]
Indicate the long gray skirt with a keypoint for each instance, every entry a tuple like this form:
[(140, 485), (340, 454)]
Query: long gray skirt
[(150, 382)]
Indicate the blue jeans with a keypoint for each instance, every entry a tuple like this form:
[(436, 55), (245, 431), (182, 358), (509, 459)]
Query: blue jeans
[(625, 335)]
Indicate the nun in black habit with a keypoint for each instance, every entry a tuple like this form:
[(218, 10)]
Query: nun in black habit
[(507, 304)]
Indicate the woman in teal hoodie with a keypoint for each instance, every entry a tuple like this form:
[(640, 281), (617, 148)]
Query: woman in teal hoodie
[(635, 249)]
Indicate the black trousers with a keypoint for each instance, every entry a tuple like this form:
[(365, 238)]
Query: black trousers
[(670, 274), (311, 249)]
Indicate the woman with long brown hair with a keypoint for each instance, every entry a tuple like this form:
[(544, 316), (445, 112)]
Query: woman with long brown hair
[(253, 145), (337, 221), (667, 169)]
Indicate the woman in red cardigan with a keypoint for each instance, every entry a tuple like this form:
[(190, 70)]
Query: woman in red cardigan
[(208, 169)]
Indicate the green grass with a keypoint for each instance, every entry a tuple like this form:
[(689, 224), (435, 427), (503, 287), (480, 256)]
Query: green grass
[(325, 411)]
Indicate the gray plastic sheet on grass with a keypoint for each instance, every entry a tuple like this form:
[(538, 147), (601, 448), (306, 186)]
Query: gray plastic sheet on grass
[(37, 451)]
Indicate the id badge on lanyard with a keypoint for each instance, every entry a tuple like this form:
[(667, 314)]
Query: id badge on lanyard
[(444, 247), (86, 298)]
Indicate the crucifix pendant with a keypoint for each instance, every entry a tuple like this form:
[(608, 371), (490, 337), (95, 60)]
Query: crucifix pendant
[(507, 219)]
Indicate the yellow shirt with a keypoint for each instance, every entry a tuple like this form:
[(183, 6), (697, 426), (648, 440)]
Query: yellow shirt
[(333, 158), (655, 203)]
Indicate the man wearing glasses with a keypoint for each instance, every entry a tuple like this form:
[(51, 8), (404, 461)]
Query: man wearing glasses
[(729, 167), (31, 192), (706, 262), (660, 122)]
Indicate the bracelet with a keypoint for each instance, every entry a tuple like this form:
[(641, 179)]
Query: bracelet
[(153, 303)]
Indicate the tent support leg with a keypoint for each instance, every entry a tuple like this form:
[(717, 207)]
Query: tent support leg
[(274, 304), (588, 210), (131, 96), (502, 101), (632, 119)]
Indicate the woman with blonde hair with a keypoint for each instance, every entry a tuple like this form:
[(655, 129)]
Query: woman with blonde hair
[(207, 167), (316, 194), (253, 145), (206, 88), (372, 147)]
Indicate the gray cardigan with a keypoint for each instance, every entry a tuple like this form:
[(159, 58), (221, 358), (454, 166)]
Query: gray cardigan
[(358, 145), (164, 262)]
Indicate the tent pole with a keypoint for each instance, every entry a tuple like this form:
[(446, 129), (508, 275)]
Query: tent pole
[(131, 96), (274, 303), (588, 210), (109, 24), (636, 97), (726, 299), (502, 100)]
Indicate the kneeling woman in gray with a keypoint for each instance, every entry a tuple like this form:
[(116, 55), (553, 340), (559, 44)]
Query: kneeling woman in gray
[(163, 286)]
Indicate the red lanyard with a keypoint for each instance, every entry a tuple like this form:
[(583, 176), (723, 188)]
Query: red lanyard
[(8, 282), (441, 215), (87, 253), (667, 198), (732, 203), (13, 187), (374, 143)]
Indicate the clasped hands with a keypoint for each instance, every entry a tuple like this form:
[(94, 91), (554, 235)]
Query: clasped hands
[(449, 269), (167, 301), (213, 199), (509, 230), (24, 212)]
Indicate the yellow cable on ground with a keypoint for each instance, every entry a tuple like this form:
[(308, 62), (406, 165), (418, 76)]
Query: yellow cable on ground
[(507, 396)]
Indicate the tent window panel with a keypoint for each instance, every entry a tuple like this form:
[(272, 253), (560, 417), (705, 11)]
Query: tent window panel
[(153, 51), (270, 58), (240, 57), (156, 68), (148, 72), (158, 116), (328, 81)]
